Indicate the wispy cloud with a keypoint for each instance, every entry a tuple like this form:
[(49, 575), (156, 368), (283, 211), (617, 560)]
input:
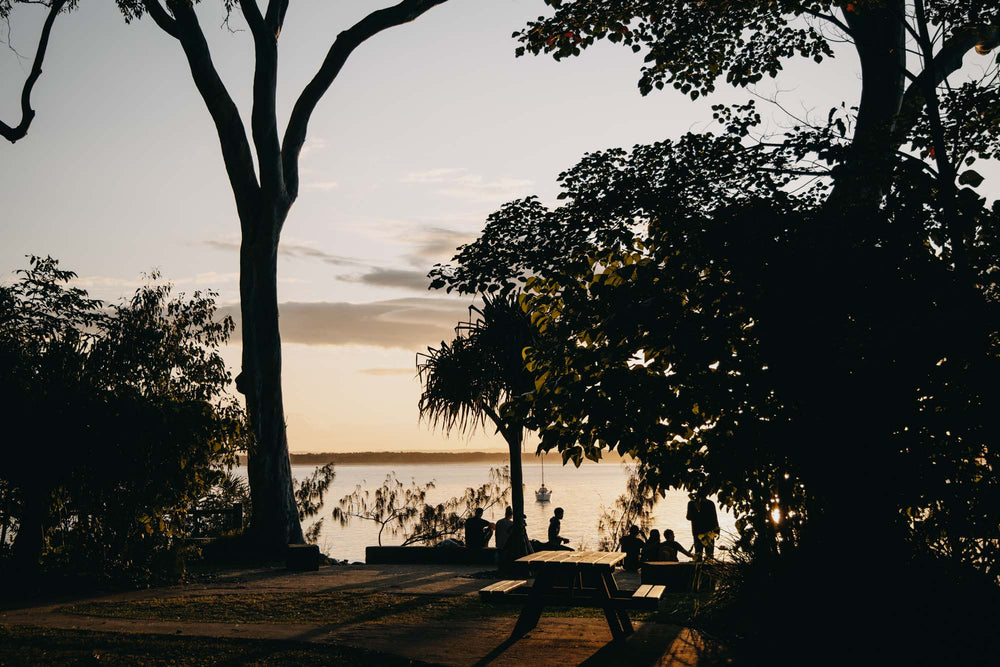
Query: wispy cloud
[(410, 324), (325, 186), (388, 371), (287, 249), (205, 279), (381, 277), (313, 145), (459, 183), (443, 175)]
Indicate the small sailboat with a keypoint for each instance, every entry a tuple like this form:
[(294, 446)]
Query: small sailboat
[(543, 494)]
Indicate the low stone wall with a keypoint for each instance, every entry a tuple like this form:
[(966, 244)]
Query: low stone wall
[(430, 555)]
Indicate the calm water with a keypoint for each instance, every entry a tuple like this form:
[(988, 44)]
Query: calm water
[(581, 492)]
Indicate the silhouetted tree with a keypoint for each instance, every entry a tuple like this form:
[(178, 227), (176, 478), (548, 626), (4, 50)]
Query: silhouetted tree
[(703, 313), (476, 378), (692, 45), (128, 406), (265, 182), (404, 510)]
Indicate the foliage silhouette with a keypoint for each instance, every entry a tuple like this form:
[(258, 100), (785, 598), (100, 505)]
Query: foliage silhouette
[(478, 377), (404, 510), (129, 403), (806, 327)]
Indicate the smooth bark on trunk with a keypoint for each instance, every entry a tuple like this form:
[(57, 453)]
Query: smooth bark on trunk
[(262, 202), (517, 544), (274, 522), (880, 40)]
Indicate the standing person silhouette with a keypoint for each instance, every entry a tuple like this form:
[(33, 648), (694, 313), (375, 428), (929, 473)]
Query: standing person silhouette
[(704, 524), (556, 542)]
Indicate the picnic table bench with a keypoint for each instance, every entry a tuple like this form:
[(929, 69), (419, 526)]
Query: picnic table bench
[(573, 578)]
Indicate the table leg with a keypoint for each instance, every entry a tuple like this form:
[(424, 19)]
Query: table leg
[(536, 600), (617, 619)]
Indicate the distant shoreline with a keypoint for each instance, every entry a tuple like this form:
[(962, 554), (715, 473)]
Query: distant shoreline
[(416, 458)]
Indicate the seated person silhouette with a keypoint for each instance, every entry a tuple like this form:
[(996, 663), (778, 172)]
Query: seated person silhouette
[(632, 545), (556, 542), (478, 530), (651, 550), (669, 548), (505, 527)]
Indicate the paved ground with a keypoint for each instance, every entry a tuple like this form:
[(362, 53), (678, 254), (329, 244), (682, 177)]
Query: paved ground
[(556, 641)]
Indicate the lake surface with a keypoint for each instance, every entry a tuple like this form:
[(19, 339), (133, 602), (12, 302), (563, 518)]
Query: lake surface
[(581, 492)]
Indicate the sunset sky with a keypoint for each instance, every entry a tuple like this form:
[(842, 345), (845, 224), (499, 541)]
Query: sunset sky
[(429, 128)]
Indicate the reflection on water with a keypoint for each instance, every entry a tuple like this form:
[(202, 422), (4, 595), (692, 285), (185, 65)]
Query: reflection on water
[(579, 491)]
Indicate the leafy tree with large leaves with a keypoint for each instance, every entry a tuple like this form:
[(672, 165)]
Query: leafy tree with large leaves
[(692, 45), (804, 326)]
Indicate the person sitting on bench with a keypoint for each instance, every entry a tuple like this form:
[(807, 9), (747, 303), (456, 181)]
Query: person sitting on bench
[(632, 546), (556, 542), (478, 530), (669, 548), (651, 550)]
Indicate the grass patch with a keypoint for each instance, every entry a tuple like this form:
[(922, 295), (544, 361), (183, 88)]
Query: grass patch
[(340, 608), (21, 645)]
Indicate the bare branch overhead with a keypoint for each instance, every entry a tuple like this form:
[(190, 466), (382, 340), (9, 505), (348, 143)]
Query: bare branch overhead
[(343, 46), (236, 153), (12, 134)]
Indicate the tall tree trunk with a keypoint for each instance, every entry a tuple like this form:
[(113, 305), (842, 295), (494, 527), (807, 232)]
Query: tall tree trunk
[(274, 523), (880, 39), (517, 544)]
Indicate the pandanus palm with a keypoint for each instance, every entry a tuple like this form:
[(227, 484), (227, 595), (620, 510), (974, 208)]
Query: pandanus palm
[(475, 379)]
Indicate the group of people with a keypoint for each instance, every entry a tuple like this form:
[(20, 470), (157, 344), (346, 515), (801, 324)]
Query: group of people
[(704, 528), (638, 549), (478, 531)]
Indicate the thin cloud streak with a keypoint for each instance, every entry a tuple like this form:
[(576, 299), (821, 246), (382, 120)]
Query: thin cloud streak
[(287, 249), (410, 323), (325, 186), (388, 371), (381, 277), (460, 184)]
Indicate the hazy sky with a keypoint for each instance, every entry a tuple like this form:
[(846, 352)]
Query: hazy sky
[(429, 128)]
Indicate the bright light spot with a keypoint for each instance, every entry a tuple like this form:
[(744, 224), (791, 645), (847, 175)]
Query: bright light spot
[(776, 515)]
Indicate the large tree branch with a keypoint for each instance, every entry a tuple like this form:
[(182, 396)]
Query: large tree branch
[(275, 17), (162, 19), (232, 133), (263, 117), (948, 60), (12, 134), (343, 46)]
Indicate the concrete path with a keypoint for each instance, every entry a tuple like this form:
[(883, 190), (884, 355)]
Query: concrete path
[(556, 640)]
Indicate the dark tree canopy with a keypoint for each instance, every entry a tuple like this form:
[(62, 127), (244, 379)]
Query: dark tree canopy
[(784, 321), (128, 406)]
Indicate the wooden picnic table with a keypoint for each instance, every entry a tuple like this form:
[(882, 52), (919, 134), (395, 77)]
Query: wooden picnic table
[(592, 583)]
